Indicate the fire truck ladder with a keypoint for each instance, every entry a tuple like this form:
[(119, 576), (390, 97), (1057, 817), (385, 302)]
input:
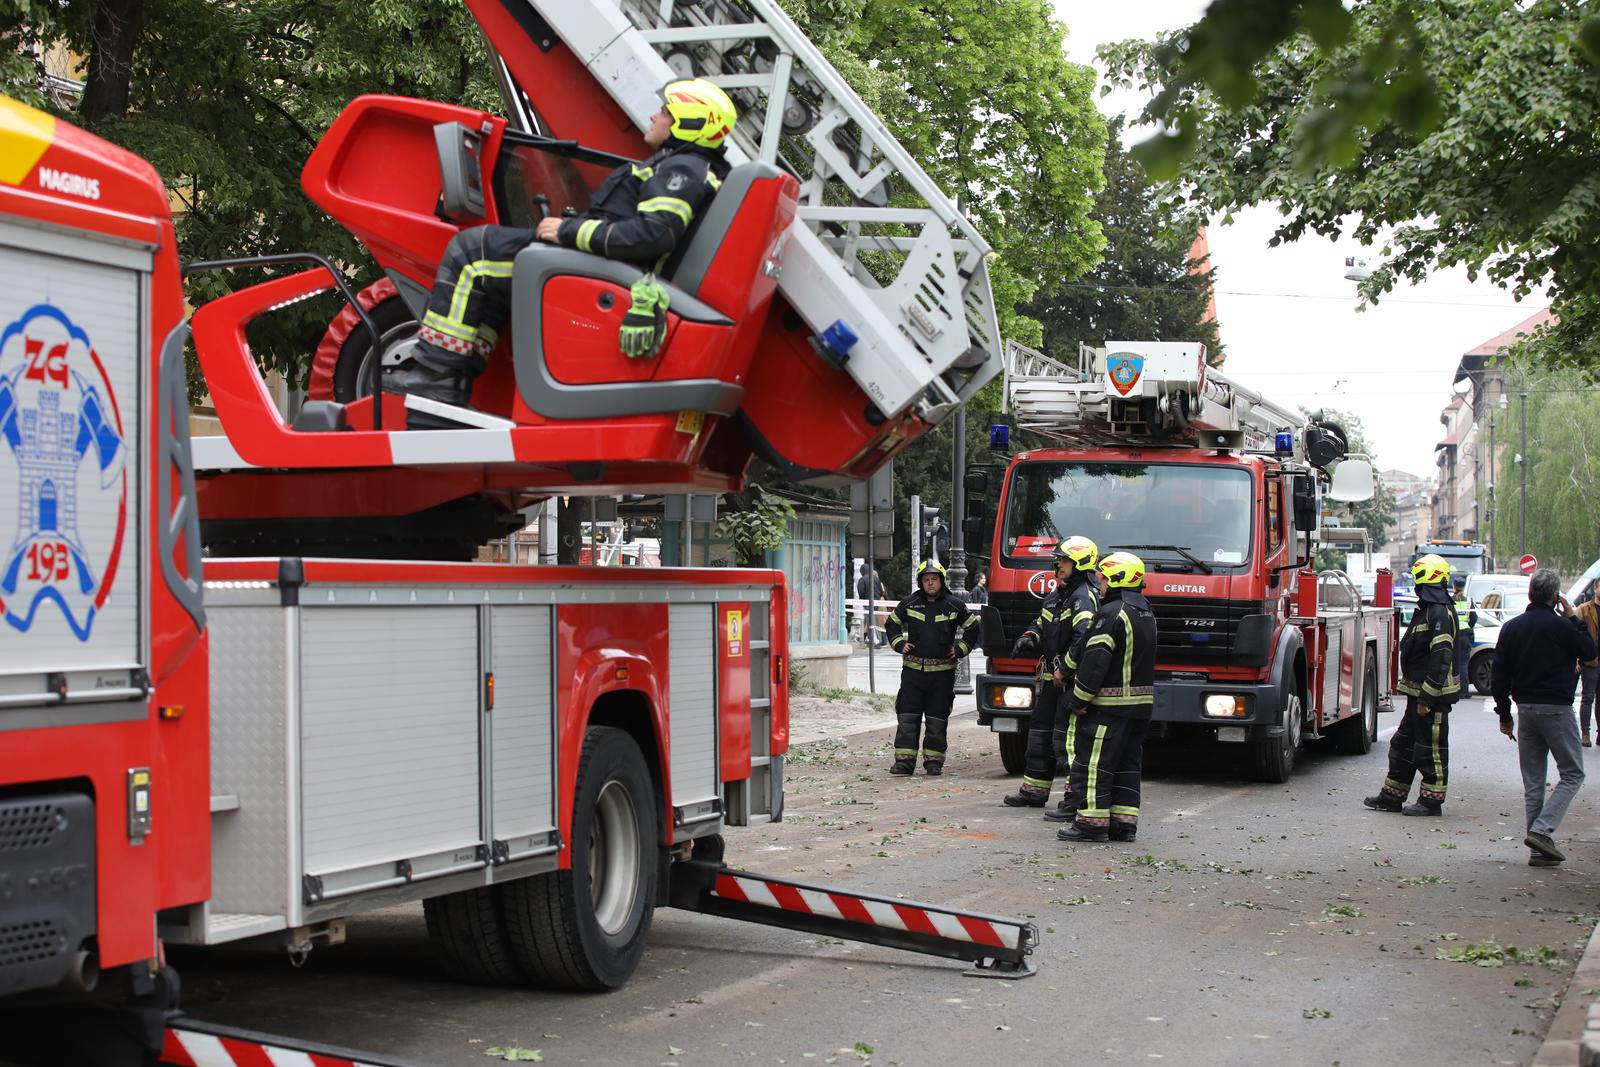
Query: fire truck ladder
[(191, 1043), (996, 947), (1163, 393), (908, 284)]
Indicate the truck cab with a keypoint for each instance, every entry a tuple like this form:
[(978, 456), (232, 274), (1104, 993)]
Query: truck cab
[(1224, 507)]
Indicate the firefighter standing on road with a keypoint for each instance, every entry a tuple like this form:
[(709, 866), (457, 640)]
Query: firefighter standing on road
[(932, 630), (1466, 621), (1431, 684), (1112, 696), (1065, 614)]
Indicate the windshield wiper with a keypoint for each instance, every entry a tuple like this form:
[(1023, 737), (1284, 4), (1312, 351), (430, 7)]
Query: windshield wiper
[(1180, 550)]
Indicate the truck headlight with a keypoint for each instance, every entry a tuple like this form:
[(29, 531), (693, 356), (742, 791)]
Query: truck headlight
[(1013, 696), (1224, 706)]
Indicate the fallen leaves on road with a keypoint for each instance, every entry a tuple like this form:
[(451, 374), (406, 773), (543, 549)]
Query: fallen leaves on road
[(1316, 1013), (515, 1053)]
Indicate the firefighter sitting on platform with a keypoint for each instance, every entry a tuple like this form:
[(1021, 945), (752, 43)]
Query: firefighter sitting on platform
[(640, 213), (1065, 614), (932, 630)]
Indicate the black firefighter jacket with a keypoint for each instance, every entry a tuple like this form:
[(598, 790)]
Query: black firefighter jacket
[(641, 211), (1116, 671), (1428, 650), (924, 631), (1063, 618)]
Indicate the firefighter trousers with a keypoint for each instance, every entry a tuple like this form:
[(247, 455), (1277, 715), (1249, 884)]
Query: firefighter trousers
[(1421, 745), (1042, 766), (924, 699), (471, 298), (1107, 767)]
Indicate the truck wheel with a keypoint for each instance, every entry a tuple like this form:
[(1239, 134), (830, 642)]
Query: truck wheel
[(396, 325), (1354, 736), (1014, 752), (469, 935), (584, 928), (1481, 670), (1275, 755)]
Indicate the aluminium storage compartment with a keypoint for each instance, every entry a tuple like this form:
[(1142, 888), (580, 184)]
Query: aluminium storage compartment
[(357, 761)]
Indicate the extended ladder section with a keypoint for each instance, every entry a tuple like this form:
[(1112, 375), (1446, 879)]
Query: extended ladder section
[(899, 295), (1159, 392)]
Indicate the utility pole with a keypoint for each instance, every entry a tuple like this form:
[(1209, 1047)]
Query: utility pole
[(958, 535), (1489, 521), (1522, 462)]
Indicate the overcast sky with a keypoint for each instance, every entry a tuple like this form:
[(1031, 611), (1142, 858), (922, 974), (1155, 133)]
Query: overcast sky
[(1289, 320)]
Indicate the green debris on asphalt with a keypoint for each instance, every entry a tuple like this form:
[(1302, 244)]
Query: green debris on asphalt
[(515, 1054)]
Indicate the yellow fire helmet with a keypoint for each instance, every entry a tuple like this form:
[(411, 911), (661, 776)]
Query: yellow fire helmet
[(1430, 570), (701, 112), (1123, 570), (1083, 552), (932, 566)]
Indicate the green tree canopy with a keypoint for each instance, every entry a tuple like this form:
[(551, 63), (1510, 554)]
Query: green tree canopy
[(1505, 183), (1563, 458), (1143, 288)]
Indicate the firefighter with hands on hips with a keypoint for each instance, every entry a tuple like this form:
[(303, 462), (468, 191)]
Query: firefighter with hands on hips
[(1466, 622), (931, 629), (1429, 679), (1111, 700), (1065, 613), (640, 214)]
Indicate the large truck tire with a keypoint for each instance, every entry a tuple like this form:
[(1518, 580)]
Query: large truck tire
[(340, 366), (1014, 752), (469, 935), (1355, 736), (1275, 755), (584, 928)]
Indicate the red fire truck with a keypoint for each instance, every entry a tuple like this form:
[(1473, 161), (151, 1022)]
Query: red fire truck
[(203, 745), (1221, 493)]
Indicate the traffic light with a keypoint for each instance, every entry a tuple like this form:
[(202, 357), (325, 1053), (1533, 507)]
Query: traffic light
[(935, 533)]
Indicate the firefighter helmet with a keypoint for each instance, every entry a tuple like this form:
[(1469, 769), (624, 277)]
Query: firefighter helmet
[(932, 566), (1123, 570), (1430, 570), (1083, 552), (701, 112)]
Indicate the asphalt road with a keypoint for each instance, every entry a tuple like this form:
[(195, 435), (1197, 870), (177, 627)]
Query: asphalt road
[(1249, 924)]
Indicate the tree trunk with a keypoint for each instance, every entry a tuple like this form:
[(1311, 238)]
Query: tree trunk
[(116, 30)]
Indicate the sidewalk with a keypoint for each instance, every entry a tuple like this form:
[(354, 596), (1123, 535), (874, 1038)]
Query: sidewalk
[(1574, 1034)]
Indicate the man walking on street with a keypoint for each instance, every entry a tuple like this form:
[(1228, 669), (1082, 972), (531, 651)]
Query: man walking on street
[(1065, 613), (1429, 680), (1112, 696), (932, 630), (1535, 663)]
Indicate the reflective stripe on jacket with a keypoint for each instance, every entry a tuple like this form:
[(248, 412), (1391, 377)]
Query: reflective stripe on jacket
[(1117, 658)]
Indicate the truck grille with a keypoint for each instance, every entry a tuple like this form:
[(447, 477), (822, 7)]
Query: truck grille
[(1193, 631)]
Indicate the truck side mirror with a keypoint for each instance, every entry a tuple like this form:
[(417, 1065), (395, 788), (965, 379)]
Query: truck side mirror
[(1305, 503), (992, 632), (977, 480), (977, 515), (460, 172)]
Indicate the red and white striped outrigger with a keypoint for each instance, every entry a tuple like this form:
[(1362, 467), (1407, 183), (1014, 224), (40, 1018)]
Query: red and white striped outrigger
[(997, 947), (188, 1043)]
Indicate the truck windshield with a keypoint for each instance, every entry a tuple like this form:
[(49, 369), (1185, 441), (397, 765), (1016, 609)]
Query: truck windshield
[(1206, 510)]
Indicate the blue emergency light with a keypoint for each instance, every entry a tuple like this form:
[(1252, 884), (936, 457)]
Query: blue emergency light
[(999, 436), (1283, 441)]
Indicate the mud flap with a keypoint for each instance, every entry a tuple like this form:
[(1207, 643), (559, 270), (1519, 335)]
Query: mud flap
[(997, 947)]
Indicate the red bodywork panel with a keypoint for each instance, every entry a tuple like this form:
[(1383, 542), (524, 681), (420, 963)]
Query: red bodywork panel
[(115, 194), (733, 689)]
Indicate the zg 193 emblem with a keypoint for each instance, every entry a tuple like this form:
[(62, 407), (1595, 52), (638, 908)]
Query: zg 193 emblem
[(60, 428)]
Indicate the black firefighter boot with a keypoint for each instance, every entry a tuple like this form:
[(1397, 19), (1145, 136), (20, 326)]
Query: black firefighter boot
[(1383, 802), (435, 375), (1066, 810), (1027, 796), (1124, 831), (903, 765)]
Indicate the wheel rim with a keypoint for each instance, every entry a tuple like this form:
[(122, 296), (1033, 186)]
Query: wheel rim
[(1369, 709), (389, 344), (614, 858), (1291, 726)]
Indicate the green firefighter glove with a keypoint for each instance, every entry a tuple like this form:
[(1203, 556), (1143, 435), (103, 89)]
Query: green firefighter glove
[(645, 325)]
